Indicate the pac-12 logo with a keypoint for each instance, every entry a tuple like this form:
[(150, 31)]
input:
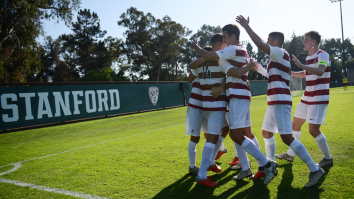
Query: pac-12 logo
[(154, 94)]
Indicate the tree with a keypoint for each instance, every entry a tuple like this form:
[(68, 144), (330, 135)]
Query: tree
[(295, 47)]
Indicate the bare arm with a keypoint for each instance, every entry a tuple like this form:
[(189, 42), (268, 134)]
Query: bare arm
[(195, 64), (216, 91), (238, 72), (299, 74), (191, 77), (207, 56), (317, 71), (255, 38)]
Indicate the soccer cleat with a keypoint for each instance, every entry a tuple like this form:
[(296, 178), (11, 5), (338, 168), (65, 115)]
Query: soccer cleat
[(238, 166), (258, 175), (243, 174), (214, 168), (285, 156), (235, 161), (324, 162), (206, 182), (314, 177), (269, 172), (220, 153), (194, 170)]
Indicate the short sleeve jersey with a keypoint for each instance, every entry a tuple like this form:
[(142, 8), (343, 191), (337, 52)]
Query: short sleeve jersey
[(232, 56), (279, 71), (317, 87)]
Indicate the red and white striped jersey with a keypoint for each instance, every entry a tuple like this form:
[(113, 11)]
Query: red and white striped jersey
[(278, 73), (317, 87), (195, 100), (210, 76), (232, 56)]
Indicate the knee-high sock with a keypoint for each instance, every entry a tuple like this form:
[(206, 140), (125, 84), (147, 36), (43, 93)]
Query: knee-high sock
[(322, 144), (236, 155), (242, 156), (207, 153), (255, 141), (269, 144), (251, 148), (297, 135), (301, 151), (216, 150), (192, 153), (222, 146)]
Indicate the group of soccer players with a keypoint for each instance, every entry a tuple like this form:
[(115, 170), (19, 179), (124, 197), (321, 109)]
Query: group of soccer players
[(220, 104)]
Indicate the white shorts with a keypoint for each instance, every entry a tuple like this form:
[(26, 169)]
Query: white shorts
[(194, 118), (314, 114), (216, 121), (204, 124), (239, 113), (278, 118)]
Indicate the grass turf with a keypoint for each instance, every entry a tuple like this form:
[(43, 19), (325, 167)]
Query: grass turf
[(145, 156)]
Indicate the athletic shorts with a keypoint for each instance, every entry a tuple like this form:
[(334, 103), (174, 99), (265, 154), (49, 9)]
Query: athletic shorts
[(314, 114), (204, 124), (216, 121), (194, 118), (278, 119), (345, 84), (239, 113)]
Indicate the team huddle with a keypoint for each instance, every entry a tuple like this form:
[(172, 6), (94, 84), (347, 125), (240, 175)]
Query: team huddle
[(220, 104)]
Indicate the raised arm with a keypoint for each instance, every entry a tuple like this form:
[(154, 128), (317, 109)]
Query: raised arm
[(207, 56), (255, 38), (195, 64), (317, 71)]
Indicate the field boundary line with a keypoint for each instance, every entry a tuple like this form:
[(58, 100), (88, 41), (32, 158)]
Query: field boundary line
[(89, 145)]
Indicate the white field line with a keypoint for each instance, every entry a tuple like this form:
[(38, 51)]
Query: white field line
[(89, 145), (17, 165)]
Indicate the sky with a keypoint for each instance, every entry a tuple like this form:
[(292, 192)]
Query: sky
[(297, 16)]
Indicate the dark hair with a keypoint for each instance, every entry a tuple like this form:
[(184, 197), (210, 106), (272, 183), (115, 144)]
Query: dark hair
[(207, 48), (314, 35), (279, 36), (232, 29), (216, 38)]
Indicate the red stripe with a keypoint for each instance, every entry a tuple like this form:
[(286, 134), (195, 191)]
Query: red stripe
[(318, 81), (328, 69), (278, 78), (280, 102), (311, 61), (209, 86), (244, 77), (238, 97), (196, 96), (316, 93), (215, 109), (278, 66), (286, 57), (195, 106), (236, 63), (196, 84), (236, 86), (241, 53), (275, 91), (220, 98), (314, 103), (212, 75)]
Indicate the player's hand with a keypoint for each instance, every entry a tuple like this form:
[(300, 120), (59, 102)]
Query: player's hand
[(216, 91), (194, 44), (252, 63), (297, 62), (248, 83), (242, 21), (256, 66)]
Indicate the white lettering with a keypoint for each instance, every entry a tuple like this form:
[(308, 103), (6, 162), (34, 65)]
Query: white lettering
[(102, 100), (27, 97), (59, 102), (87, 99), (43, 101), (116, 93), (77, 101), (4, 105)]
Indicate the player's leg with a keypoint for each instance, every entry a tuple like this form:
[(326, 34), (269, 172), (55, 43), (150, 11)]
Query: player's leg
[(222, 148), (317, 114), (217, 125)]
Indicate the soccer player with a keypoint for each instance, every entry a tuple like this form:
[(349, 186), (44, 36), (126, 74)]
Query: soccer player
[(314, 103), (345, 83), (278, 113), (239, 98)]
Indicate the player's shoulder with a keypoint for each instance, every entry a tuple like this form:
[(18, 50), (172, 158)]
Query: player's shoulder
[(322, 53)]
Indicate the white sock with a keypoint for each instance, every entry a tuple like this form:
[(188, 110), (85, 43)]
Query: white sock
[(242, 156), (251, 148), (235, 149), (297, 135), (322, 144), (269, 144), (216, 150), (222, 147), (303, 154), (255, 141), (208, 151), (192, 153)]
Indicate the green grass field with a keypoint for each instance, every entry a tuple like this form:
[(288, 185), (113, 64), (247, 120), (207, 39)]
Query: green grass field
[(145, 156)]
